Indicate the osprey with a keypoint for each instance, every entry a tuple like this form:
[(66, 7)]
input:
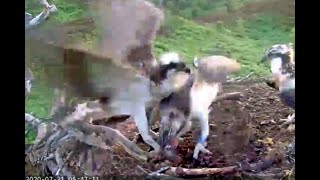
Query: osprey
[(121, 68), (191, 103), (169, 57), (282, 66)]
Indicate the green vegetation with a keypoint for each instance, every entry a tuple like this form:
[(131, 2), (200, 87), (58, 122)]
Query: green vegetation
[(67, 10), (244, 38), (244, 41), (193, 9)]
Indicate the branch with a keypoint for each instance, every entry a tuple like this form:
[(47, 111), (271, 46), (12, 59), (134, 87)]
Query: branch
[(78, 117), (30, 119), (114, 136), (90, 140), (82, 157), (239, 79), (61, 163), (52, 167), (44, 130), (229, 96), (78, 127), (32, 22), (178, 171), (90, 164), (257, 167)]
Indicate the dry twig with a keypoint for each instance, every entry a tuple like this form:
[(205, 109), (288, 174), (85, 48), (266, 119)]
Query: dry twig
[(239, 79)]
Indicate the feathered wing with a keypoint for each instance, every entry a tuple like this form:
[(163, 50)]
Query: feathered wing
[(216, 68), (127, 30), (125, 26)]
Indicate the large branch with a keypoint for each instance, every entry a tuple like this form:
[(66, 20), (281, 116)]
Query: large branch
[(178, 171), (257, 167)]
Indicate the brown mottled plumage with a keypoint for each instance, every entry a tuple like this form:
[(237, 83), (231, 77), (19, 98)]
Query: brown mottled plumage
[(191, 103), (286, 53), (120, 47), (283, 74), (117, 68)]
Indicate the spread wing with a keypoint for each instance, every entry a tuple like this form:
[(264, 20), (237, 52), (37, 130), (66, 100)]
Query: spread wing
[(127, 30), (126, 26)]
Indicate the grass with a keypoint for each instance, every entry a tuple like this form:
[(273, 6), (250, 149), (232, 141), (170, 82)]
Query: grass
[(66, 11), (244, 40)]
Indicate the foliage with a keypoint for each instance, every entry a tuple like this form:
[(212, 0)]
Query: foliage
[(67, 11), (244, 41), (191, 9)]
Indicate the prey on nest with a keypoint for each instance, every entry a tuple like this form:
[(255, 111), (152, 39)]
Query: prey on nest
[(282, 66), (191, 103), (121, 71)]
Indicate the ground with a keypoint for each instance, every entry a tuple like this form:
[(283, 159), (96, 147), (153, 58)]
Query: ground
[(245, 131)]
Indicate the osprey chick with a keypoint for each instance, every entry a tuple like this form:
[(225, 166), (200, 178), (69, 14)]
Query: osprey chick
[(282, 61), (191, 103)]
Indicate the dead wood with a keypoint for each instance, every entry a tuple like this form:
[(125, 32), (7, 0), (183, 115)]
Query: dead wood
[(255, 169), (239, 79), (113, 135), (76, 127), (229, 96), (178, 171)]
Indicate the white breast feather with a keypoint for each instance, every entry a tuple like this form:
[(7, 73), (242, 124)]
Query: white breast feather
[(169, 57), (276, 64)]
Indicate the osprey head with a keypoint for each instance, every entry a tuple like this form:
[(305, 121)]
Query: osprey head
[(170, 65), (195, 61), (171, 123), (169, 57), (283, 51), (281, 57)]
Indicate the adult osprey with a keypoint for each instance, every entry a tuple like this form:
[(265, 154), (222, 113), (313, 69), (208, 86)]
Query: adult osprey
[(121, 68)]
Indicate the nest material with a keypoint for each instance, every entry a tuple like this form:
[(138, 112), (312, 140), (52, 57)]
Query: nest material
[(259, 151)]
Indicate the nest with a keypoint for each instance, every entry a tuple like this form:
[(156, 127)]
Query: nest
[(245, 140)]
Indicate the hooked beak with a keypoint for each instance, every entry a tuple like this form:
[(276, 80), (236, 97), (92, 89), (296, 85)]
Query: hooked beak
[(168, 143), (195, 62)]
